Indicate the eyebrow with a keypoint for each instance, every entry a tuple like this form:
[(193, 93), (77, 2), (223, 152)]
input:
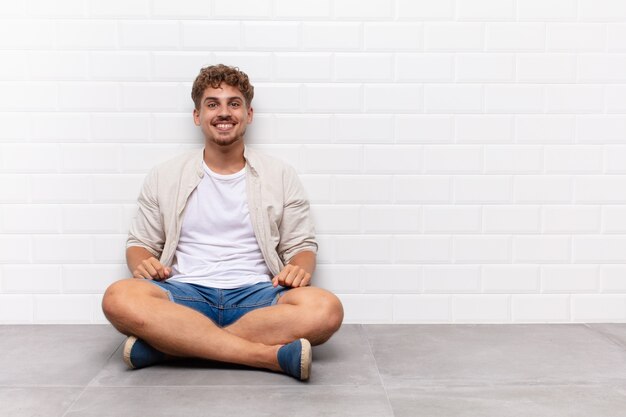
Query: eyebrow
[(227, 98)]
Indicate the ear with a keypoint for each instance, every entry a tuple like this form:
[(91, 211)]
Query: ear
[(250, 114), (196, 117)]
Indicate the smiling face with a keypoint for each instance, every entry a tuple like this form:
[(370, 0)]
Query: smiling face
[(223, 115)]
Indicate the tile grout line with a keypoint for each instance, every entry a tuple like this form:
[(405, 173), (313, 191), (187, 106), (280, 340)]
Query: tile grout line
[(91, 380), (75, 400), (608, 336), (454, 383), (382, 383), (215, 386)]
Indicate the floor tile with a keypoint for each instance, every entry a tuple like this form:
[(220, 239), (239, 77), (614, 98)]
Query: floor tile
[(427, 370), (36, 401), (444, 354), (302, 401), (510, 401), (55, 354), (614, 331), (344, 360)]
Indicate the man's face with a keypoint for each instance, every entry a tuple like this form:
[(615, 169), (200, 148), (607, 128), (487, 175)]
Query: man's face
[(223, 115)]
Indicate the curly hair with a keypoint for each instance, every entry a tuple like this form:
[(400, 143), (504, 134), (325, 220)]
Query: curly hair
[(214, 75)]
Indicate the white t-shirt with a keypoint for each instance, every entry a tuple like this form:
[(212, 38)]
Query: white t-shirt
[(217, 246)]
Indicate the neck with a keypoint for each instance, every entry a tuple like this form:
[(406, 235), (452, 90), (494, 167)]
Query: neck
[(224, 159)]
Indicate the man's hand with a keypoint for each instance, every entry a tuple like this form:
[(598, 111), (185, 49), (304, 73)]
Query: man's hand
[(151, 268), (292, 276)]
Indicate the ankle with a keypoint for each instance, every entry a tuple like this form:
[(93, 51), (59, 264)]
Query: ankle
[(272, 358)]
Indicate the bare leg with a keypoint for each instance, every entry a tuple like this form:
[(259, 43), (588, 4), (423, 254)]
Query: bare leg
[(139, 308), (308, 312)]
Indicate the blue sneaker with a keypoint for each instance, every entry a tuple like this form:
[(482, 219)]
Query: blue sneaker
[(139, 354), (295, 359)]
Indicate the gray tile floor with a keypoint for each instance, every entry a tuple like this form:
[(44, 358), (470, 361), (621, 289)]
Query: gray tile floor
[(365, 370)]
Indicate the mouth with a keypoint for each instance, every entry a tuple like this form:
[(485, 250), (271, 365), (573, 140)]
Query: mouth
[(224, 126)]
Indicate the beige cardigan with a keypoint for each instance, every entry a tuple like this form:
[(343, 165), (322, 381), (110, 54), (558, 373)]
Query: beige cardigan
[(279, 209)]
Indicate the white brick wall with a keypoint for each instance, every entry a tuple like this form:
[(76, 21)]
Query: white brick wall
[(465, 159)]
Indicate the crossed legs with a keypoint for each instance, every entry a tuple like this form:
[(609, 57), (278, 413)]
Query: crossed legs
[(139, 308)]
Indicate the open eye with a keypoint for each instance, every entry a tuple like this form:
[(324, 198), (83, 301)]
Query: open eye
[(235, 104), (211, 105)]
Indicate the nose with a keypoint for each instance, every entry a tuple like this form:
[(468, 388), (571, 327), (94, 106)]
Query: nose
[(224, 111)]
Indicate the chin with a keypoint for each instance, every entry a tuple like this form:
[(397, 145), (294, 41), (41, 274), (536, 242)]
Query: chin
[(224, 141)]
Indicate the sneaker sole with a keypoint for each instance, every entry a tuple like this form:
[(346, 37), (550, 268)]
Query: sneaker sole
[(306, 359), (128, 345)]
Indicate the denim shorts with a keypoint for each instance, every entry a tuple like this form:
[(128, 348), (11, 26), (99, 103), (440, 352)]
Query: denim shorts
[(222, 306)]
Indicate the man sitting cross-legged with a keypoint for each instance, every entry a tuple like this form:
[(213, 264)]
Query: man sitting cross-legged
[(222, 251)]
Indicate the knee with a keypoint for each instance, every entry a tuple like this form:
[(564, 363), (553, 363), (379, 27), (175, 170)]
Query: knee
[(333, 311), (112, 301), (330, 316), (117, 305)]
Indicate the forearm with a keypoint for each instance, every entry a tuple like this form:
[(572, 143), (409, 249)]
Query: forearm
[(305, 260), (134, 256)]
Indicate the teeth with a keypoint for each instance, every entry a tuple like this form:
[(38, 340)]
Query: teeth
[(224, 126)]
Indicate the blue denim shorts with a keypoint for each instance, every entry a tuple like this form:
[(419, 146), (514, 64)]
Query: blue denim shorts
[(224, 307)]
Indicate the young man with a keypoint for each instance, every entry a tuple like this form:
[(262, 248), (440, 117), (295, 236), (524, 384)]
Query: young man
[(222, 251)]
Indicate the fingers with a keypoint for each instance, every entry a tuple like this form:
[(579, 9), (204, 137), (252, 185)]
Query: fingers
[(141, 272), (163, 272), (151, 268), (297, 278), (292, 276), (306, 280)]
